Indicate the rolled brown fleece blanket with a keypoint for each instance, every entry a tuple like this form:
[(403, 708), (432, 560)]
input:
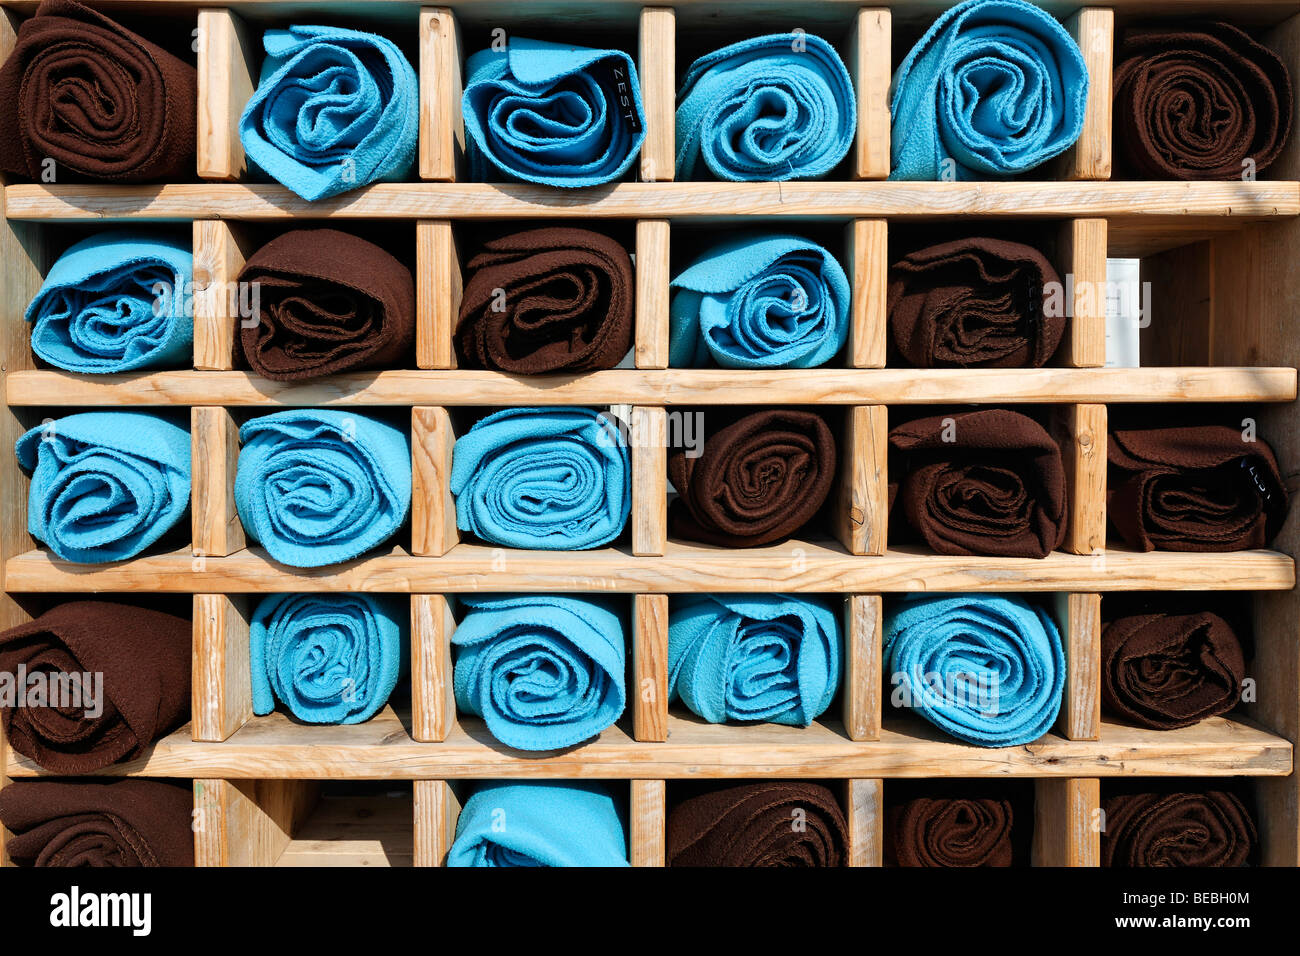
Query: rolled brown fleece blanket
[(760, 824), (759, 479), (1194, 488), (144, 659), (974, 303), (1176, 829), (949, 832), (996, 488), (124, 822), (567, 303), (1196, 103), (1170, 670), (100, 101), (328, 302)]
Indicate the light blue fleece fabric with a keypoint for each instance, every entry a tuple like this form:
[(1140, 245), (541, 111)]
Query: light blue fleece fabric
[(105, 485), (319, 486), (543, 671), (331, 658), (773, 301), (552, 113), (115, 302), (775, 107), (544, 823), (988, 670), (333, 111), (997, 86), (768, 657), (556, 479)]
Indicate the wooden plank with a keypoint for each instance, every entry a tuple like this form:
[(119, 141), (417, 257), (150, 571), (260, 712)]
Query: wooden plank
[(215, 529), (1082, 249), (354, 830), (649, 433), (650, 667), (868, 248), (438, 289), (433, 702), (680, 387), (433, 507), (863, 678), (1081, 433), (864, 806), (657, 70), (652, 294), (1066, 823), (870, 64), (1181, 328), (436, 813), (228, 71), (648, 816), (442, 133), (221, 687), (1093, 28), (860, 506), (220, 306), (1284, 40), (249, 822), (1079, 617)]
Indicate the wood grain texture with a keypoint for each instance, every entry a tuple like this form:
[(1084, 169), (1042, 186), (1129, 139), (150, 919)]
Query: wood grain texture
[(1066, 823), (227, 78), (1093, 28), (649, 437), (1181, 319), (863, 677), (433, 507), (650, 667), (864, 807), (652, 294), (868, 245), (220, 251), (433, 700), (438, 288), (354, 830), (221, 690), (860, 502), (215, 528), (870, 64), (1079, 617), (656, 68), (1080, 431), (649, 818), (1082, 250), (247, 822), (442, 132), (436, 812)]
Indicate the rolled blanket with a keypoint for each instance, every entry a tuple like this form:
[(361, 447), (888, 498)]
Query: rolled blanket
[(987, 670), (124, 822), (105, 485), (1177, 829), (115, 302), (974, 303), (989, 482), (769, 657), (556, 479), (327, 302), (993, 89), (318, 486), (547, 300), (1194, 488), (774, 108), (111, 679), (544, 672), (1170, 670), (767, 302), (330, 658), (949, 832), (1203, 103), (759, 479), (552, 113), (541, 823), (95, 98), (759, 824)]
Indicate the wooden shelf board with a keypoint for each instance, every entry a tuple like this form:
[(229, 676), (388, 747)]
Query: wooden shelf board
[(276, 747), (354, 831), (663, 387), (795, 566)]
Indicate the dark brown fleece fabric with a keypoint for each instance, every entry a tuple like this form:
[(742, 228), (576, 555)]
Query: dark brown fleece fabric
[(125, 822), (949, 832), (329, 302), (1177, 829), (1170, 670), (1194, 488), (144, 657), (761, 824), (547, 300), (100, 101), (975, 303), (1198, 103), (760, 479), (988, 482)]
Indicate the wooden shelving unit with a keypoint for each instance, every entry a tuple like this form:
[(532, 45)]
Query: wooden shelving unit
[(1225, 330)]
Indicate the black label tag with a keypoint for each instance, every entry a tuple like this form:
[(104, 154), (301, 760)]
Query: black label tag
[(1260, 478), (612, 74)]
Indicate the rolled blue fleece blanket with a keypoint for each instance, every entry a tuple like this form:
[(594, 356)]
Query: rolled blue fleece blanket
[(775, 107), (544, 672), (988, 670), (318, 486), (115, 302), (767, 302), (552, 113), (769, 657), (557, 479), (334, 110), (331, 658), (544, 823), (105, 485), (996, 86)]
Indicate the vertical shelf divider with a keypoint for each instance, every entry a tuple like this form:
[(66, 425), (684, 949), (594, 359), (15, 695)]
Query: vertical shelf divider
[(860, 506), (248, 822), (215, 529), (220, 250), (221, 682), (227, 78), (652, 294), (438, 289), (863, 667), (649, 440), (1082, 251), (1093, 28), (433, 703), (442, 131), (650, 667), (649, 823), (1079, 617), (436, 812), (870, 64), (433, 507), (1066, 822), (656, 66), (865, 808), (868, 254)]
